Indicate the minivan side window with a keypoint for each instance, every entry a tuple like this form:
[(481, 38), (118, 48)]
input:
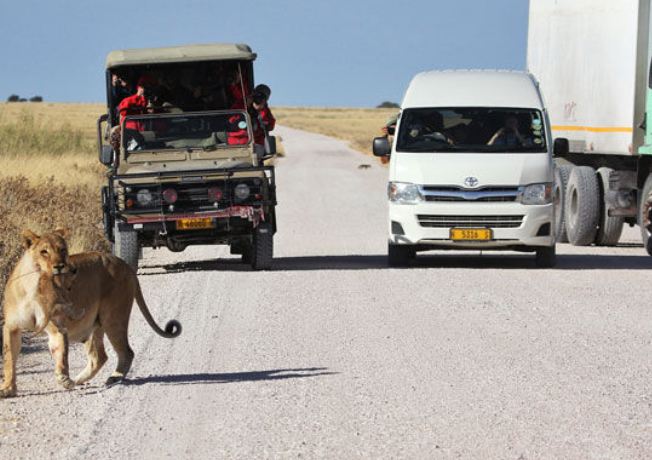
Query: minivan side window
[(471, 129)]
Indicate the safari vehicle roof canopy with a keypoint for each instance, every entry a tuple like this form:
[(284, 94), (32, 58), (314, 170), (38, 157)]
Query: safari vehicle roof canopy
[(188, 53)]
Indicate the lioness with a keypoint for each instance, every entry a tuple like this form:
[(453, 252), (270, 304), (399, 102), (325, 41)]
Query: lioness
[(78, 297)]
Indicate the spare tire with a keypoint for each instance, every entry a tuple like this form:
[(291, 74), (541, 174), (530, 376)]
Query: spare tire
[(562, 172), (609, 228), (582, 207)]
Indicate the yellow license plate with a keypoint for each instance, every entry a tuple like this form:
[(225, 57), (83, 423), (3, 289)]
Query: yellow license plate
[(471, 234), (199, 223)]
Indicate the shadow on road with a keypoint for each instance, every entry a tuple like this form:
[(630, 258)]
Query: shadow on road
[(252, 376), (442, 260)]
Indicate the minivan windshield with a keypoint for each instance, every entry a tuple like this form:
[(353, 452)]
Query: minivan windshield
[(471, 129)]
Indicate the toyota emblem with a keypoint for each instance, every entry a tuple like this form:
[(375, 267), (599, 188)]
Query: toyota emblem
[(471, 181)]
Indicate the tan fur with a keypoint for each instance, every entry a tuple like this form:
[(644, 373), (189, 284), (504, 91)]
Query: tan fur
[(76, 298)]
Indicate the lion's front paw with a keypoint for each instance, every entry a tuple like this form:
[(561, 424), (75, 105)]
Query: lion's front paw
[(7, 392)]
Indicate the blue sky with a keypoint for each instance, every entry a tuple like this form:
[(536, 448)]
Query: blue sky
[(354, 53)]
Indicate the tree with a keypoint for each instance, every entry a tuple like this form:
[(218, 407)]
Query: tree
[(388, 105), (13, 98), (36, 99)]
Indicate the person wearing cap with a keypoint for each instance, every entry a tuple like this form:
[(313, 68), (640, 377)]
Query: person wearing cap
[(262, 120)]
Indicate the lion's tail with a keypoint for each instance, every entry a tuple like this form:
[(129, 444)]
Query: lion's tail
[(172, 328)]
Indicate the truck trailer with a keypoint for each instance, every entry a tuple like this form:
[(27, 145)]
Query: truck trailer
[(592, 59)]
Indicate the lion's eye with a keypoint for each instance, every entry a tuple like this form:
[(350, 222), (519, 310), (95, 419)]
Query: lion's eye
[(44, 252)]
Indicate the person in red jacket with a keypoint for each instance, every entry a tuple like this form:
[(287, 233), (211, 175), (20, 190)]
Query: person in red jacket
[(137, 103), (262, 120)]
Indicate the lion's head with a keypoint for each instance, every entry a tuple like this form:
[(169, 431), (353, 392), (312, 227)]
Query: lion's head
[(49, 251)]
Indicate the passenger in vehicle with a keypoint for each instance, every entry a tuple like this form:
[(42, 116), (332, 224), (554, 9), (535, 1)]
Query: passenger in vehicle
[(429, 125), (120, 89), (238, 91), (510, 135), (262, 119), (137, 103)]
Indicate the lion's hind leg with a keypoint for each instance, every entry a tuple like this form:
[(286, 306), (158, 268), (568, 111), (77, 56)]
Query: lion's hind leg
[(120, 343), (96, 355)]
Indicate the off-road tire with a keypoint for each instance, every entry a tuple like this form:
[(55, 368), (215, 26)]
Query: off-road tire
[(582, 207), (262, 250), (643, 215), (546, 257), (562, 172), (126, 246), (609, 228), (246, 255), (399, 255)]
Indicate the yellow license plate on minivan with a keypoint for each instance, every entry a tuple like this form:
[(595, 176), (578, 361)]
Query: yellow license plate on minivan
[(198, 223), (471, 234)]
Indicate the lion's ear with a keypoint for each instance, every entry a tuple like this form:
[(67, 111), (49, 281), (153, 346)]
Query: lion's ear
[(29, 238), (63, 232)]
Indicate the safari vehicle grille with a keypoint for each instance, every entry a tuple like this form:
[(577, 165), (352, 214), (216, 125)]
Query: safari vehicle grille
[(440, 221), (492, 194), (191, 197)]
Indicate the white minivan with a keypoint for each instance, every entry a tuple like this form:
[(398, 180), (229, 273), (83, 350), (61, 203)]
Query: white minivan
[(471, 166)]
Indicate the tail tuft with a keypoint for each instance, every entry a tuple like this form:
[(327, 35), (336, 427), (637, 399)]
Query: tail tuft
[(173, 328)]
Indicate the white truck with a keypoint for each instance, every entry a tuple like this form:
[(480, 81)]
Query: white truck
[(592, 59)]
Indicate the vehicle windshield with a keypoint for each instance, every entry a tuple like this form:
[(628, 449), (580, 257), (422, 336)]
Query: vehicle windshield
[(468, 129), (185, 131)]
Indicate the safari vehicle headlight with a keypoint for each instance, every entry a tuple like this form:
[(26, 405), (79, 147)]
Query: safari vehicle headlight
[(537, 194), (403, 193), (241, 191), (144, 197)]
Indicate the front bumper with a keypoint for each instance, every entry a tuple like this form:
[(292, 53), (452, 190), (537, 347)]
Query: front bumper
[(513, 225)]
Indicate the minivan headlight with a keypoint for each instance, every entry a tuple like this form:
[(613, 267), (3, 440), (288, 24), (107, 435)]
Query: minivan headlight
[(537, 194), (403, 193)]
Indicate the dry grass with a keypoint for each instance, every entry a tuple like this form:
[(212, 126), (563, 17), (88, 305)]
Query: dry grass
[(49, 176), (357, 126), (50, 142)]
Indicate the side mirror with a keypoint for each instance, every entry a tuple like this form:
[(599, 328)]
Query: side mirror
[(106, 155), (381, 147), (560, 147), (270, 145)]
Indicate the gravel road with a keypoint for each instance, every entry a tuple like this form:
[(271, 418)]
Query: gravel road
[(334, 355)]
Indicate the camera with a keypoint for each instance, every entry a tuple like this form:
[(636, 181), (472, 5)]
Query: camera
[(259, 97)]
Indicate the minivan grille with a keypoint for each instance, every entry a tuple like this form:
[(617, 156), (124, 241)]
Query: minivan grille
[(441, 221), (491, 194)]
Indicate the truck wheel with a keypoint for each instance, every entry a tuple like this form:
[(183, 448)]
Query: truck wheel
[(644, 207), (399, 255), (562, 172), (546, 257), (582, 207), (126, 246), (262, 251), (609, 228)]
